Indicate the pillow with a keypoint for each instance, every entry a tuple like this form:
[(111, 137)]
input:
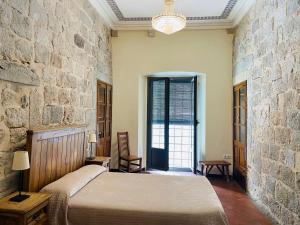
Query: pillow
[(72, 182)]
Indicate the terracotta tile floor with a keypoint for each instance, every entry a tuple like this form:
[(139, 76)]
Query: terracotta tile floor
[(238, 207)]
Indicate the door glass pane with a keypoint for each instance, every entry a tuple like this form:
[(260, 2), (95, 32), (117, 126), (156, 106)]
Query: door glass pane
[(242, 116), (243, 106), (181, 123), (243, 134), (158, 114), (243, 97)]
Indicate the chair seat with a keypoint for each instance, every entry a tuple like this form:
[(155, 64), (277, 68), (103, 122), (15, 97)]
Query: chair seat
[(131, 158)]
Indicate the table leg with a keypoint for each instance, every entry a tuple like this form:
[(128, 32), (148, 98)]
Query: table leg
[(202, 169), (227, 173)]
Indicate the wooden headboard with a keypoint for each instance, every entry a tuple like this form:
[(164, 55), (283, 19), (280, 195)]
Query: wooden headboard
[(53, 153)]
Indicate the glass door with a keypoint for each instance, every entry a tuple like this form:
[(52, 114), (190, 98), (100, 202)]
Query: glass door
[(158, 123), (172, 124)]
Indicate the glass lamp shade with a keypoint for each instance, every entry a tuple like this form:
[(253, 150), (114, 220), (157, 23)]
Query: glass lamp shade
[(92, 138), (169, 24), (20, 161)]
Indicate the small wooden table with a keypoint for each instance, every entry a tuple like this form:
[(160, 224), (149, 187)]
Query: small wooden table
[(33, 210), (223, 167), (99, 160)]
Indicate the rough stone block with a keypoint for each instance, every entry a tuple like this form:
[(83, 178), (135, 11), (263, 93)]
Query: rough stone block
[(293, 203), (281, 193), (53, 114), (22, 25), (17, 73), (50, 95), (287, 216), (17, 135), (24, 50), (293, 120), (7, 37), (8, 97), (16, 117), (270, 184), (292, 6), (5, 138), (287, 176), (64, 97), (66, 81), (56, 60), (20, 5), (295, 141), (275, 208), (38, 14), (288, 158), (274, 152), (41, 54), (5, 15), (36, 102), (79, 116), (282, 135)]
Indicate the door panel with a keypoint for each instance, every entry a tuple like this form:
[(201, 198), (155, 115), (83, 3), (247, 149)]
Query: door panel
[(157, 124), (104, 115), (240, 134)]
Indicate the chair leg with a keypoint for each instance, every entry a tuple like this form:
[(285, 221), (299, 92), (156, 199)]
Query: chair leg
[(140, 164), (128, 166)]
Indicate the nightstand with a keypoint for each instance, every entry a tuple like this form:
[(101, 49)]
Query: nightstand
[(99, 160), (32, 211)]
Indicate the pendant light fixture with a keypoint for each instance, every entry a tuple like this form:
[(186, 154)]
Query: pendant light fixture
[(169, 22)]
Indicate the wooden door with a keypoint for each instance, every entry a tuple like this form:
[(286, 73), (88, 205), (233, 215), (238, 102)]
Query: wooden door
[(240, 134), (104, 115)]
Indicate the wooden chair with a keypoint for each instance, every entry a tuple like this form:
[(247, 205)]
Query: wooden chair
[(132, 163)]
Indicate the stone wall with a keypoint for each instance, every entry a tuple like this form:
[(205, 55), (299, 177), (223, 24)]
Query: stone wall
[(51, 53), (267, 54)]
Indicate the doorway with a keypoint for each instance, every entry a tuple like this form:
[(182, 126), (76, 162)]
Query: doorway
[(104, 119), (171, 123), (240, 133)]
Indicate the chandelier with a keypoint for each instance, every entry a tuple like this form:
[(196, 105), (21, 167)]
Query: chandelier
[(169, 22)]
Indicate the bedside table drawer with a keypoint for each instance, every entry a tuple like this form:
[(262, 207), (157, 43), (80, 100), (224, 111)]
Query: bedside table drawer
[(39, 218)]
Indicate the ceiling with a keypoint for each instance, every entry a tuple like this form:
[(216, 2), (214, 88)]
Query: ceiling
[(201, 14)]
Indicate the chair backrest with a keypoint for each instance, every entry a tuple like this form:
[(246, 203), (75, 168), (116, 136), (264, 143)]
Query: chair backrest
[(123, 144)]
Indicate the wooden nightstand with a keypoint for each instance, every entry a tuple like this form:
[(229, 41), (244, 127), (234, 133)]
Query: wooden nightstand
[(99, 160), (32, 211)]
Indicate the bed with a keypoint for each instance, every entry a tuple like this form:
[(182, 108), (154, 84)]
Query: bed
[(89, 195)]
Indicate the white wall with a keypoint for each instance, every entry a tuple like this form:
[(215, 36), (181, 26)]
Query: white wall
[(135, 55)]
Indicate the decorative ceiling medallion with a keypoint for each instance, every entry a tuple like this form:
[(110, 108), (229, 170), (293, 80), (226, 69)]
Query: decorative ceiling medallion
[(226, 12)]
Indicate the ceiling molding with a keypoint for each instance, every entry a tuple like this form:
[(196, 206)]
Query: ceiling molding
[(114, 7), (239, 12), (230, 17)]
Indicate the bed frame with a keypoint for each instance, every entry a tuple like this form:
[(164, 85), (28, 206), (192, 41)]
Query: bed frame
[(53, 153)]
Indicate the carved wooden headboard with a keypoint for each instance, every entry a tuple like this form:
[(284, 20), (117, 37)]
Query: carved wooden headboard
[(53, 153)]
